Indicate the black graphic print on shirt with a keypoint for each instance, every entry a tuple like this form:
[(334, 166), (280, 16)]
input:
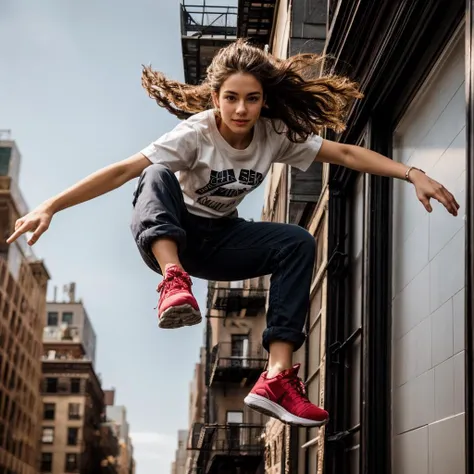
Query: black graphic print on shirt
[(217, 187)]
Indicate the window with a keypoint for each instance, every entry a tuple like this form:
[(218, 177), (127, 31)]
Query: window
[(53, 318), (67, 317), (51, 385), (75, 385), (46, 462), (74, 411), (49, 411), (72, 436), (234, 417), (239, 350), (48, 435), (234, 421), (71, 464)]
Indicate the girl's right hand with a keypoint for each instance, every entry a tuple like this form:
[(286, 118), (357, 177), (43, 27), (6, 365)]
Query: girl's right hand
[(36, 221)]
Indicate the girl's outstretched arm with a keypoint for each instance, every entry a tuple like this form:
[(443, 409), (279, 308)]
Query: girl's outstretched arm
[(367, 161), (101, 182)]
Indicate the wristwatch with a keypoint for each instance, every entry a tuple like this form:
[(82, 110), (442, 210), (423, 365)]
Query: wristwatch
[(407, 173)]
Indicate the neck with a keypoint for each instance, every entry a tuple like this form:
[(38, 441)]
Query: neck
[(238, 141)]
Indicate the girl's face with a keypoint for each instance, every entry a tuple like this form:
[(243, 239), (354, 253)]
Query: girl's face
[(240, 102)]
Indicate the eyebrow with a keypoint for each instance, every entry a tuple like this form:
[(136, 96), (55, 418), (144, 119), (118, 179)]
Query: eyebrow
[(250, 93)]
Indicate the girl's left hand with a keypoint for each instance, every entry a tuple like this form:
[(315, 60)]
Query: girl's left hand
[(427, 188)]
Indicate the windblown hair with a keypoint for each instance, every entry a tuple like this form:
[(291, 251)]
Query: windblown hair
[(296, 90)]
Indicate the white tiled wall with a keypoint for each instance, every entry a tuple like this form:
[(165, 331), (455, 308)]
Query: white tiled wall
[(428, 282)]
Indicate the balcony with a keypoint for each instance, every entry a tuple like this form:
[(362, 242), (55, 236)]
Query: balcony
[(235, 447), (204, 30), (237, 362), (239, 301)]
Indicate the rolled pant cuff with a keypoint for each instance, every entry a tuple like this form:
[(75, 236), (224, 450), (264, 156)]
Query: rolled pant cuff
[(148, 236), (283, 334)]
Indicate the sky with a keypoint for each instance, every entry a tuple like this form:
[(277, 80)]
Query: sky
[(70, 93)]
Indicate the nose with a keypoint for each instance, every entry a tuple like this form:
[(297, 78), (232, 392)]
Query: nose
[(241, 109)]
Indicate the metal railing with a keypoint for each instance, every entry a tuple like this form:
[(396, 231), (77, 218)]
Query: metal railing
[(209, 20), (228, 355), (237, 439), (235, 299)]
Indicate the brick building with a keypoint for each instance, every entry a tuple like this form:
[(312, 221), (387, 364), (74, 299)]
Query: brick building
[(23, 283)]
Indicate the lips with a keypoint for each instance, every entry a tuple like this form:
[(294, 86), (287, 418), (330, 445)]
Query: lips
[(241, 122)]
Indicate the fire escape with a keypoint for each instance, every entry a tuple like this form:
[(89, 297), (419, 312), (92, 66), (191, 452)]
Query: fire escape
[(204, 30), (207, 28), (234, 447), (239, 361)]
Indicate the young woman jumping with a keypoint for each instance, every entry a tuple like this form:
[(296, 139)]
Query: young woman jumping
[(252, 110)]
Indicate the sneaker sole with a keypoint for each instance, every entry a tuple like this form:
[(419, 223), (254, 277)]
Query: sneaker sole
[(179, 316), (269, 408)]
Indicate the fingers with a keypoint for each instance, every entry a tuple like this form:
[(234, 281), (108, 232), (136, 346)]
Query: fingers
[(426, 202), (18, 223), (26, 226), (443, 196), (19, 231), (447, 200), (451, 205), (37, 233)]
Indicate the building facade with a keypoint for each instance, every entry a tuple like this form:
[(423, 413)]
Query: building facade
[(117, 417), (396, 313), (73, 439), (411, 269), (390, 338), (68, 322), (226, 437), (23, 283), (302, 199), (181, 455), (76, 435)]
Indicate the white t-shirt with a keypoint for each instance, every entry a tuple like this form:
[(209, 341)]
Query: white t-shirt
[(214, 176)]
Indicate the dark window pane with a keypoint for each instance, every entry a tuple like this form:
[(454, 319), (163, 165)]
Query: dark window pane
[(52, 319), (67, 318), (49, 410), (51, 385), (72, 435), (75, 385), (46, 462)]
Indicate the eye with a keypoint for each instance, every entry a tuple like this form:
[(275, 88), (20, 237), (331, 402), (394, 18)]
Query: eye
[(254, 99), (230, 98)]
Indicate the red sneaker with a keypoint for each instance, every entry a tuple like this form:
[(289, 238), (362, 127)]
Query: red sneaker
[(284, 397), (177, 306)]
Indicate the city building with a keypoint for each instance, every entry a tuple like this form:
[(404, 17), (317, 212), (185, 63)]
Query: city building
[(301, 198), (23, 284), (76, 435), (224, 435), (390, 344), (396, 346), (197, 401), (117, 416), (68, 323), (179, 464), (399, 276)]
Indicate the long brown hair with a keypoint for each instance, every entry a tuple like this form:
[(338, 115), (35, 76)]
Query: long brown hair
[(296, 90)]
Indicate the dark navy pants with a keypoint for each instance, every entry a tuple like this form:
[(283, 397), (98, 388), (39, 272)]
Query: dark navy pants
[(229, 249)]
